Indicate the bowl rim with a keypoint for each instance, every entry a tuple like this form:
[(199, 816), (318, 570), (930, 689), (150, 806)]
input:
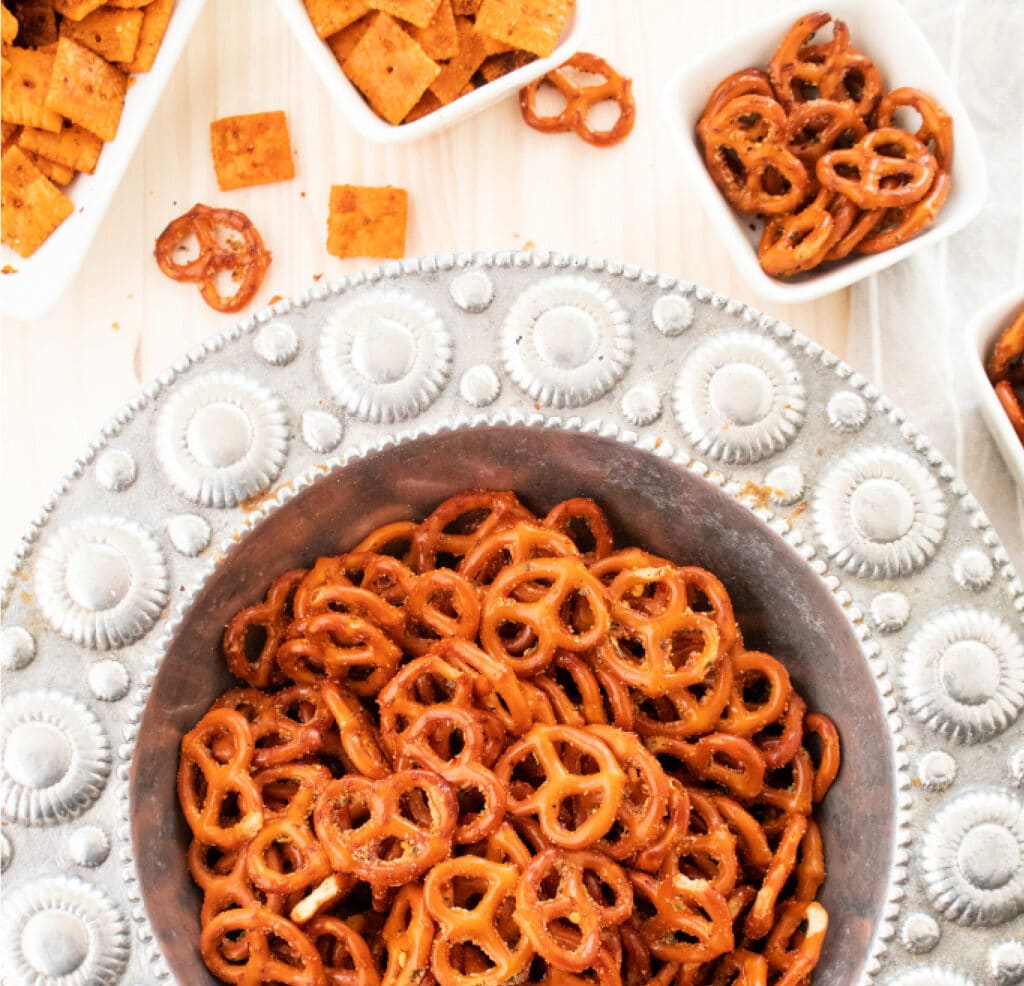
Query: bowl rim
[(275, 343), (727, 222), (360, 116)]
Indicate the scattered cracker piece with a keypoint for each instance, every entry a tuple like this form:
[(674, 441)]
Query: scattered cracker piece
[(533, 25), (76, 9), (74, 147), (418, 12), (251, 150), (8, 25), (367, 222), (154, 26), (466, 8), (496, 66), (59, 174), (114, 34), (87, 89), (31, 206), (453, 78), (37, 23), (428, 104), (330, 16), (390, 69), (342, 43), (439, 39), (26, 80)]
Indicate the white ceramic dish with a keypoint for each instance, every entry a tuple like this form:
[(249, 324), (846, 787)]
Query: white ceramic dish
[(372, 127), (884, 31), (43, 278), (982, 333)]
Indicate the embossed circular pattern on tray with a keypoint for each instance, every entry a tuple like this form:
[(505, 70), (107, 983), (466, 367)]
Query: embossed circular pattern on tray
[(891, 530)]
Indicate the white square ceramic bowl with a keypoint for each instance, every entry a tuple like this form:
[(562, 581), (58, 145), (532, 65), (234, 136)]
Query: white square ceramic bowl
[(982, 333), (43, 278), (372, 127), (884, 31)]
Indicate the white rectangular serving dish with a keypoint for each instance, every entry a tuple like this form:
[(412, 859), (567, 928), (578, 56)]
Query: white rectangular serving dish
[(43, 278), (350, 101), (982, 332), (885, 32)]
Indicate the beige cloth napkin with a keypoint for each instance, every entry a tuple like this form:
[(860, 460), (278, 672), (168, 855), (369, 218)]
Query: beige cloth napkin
[(907, 324)]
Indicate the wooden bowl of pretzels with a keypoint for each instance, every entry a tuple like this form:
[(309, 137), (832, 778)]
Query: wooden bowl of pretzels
[(821, 144)]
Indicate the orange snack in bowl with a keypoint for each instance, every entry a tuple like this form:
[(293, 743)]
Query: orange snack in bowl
[(157, 16), (75, 147), (32, 206), (330, 16), (367, 222), (87, 89), (532, 25), (458, 72), (37, 24), (26, 79), (417, 12), (114, 34), (253, 149), (390, 69), (76, 9), (439, 39)]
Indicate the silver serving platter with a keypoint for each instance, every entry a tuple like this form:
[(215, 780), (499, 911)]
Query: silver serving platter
[(710, 432)]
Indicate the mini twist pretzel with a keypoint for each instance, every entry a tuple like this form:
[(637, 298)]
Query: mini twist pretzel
[(390, 536), (253, 963), (473, 515), (380, 575), (893, 169), (761, 916), (833, 70), (662, 646), (547, 748), (605, 970), (799, 961), (730, 761), (358, 821), (290, 790), (224, 882), (810, 867), (360, 740), (567, 516), (246, 259), (746, 82), (465, 771), (799, 242), (779, 750), (467, 897), (745, 153), (828, 767), (691, 920), (751, 841), (272, 616), (441, 605), (652, 857), (864, 224), (686, 712), (936, 124), (563, 581), (641, 811), (308, 863), (797, 797), (554, 891), (706, 851), (745, 719), (346, 956), (291, 725), (408, 935), (341, 647), (741, 968), (206, 780), (510, 546), (899, 225), (598, 697), (580, 99)]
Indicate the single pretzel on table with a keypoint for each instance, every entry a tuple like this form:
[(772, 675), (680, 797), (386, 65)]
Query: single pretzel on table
[(579, 100)]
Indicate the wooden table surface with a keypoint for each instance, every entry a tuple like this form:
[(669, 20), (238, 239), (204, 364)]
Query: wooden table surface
[(490, 182)]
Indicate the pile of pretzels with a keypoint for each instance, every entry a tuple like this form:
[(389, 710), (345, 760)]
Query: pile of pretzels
[(813, 147)]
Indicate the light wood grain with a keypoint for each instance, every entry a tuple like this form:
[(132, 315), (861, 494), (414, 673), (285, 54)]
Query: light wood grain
[(488, 183)]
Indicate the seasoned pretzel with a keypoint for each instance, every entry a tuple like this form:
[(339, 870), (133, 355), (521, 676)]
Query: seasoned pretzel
[(786, 735), (474, 514), (272, 617), (308, 863), (652, 857), (832, 70), (746, 82), (730, 761), (511, 545), (819, 125), (224, 881), (1011, 404), (706, 852), (408, 935), (828, 765), (580, 694), (684, 712), (292, 724), (1007, 359), (893, 169), (801, 241), (899, 225), (359, 821), (360, 739), (555, 891), (441, 605), (745, 719), (579, 100), (346, 957), (243, 256), (248, 958), (799, 961), (377, 574), (546, 749), (761, 916), (206, 781), (797, 797), (810, 867), (751, 842), (467, 897), (397, 534), (553, 586), (864, 224), (936, 124), (745, 153), (691, 920), (566, 518)]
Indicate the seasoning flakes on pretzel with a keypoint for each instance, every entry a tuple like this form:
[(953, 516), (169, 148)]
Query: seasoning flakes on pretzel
[(489, 747), (814, 146)]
